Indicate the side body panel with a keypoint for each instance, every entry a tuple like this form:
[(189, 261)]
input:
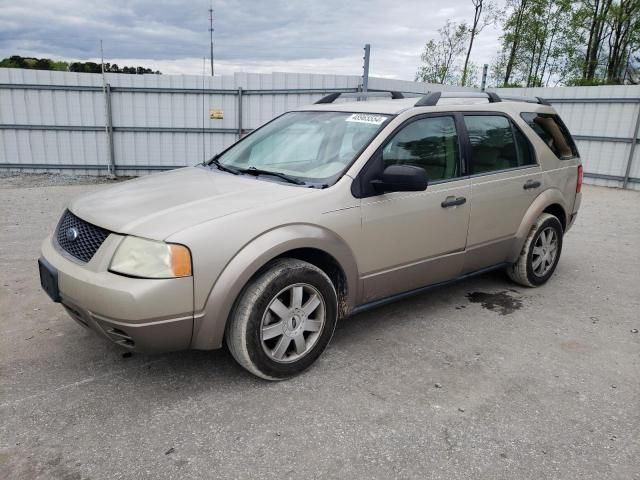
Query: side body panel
[(499, 204), (409, 240), (211, 321), (386, 244), (559, 180), (228, 252)]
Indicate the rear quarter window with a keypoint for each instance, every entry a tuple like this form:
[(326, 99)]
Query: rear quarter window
[(553, 133)]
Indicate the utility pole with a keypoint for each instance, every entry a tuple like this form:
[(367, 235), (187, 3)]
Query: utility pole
[(365, 68), (211, 35), (108, 126)]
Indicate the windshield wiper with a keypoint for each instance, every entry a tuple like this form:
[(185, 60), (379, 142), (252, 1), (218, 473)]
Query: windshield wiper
[(284, 176), (224, 168)]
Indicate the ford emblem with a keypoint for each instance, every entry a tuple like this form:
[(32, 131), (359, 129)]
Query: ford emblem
[(72, 234)]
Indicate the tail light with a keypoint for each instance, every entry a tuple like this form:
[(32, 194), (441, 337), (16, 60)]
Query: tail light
[(580, 177)]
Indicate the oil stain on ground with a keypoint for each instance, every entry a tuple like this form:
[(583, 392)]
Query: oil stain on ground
[(501, 302)]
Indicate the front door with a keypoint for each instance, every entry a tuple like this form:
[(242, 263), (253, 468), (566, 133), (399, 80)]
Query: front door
[(414, 239)]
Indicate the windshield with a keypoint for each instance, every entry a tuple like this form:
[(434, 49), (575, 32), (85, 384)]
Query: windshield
[(315, 147)]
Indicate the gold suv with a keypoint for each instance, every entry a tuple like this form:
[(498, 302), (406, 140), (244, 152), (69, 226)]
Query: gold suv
[(324, 211)]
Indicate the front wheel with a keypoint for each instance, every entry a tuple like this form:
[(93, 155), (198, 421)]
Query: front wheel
[(283, 320), (540, 253)]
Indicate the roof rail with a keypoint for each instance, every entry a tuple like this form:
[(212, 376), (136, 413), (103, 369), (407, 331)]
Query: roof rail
[(431, 99), (371, 93), (329, 98), (538, 100)]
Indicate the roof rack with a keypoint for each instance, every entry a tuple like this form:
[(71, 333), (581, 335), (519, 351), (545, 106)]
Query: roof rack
[(371, 93), (538, 100), (431, 99)]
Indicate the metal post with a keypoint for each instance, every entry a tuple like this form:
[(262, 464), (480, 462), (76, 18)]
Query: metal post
[(109, 130), (485, 69), (634, 141), (211, 35), (365, 72), (239, 113)]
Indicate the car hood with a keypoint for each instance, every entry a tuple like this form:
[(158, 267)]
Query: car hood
[(158, 205)]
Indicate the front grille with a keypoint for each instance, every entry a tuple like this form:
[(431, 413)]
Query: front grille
[(79, 238)]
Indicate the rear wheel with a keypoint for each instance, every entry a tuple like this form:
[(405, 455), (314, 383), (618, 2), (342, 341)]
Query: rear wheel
[(283, 320), (540, 253)]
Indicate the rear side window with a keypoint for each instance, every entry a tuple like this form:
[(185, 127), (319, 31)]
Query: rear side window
[(552, 132), (496, 144)]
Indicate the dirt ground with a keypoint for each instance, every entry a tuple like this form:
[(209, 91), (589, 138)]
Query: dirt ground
[(481, 379)]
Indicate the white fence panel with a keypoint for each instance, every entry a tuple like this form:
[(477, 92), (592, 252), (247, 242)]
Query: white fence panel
[(57, 120)]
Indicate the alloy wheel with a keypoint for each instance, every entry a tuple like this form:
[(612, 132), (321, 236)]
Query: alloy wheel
[(292, 323), (545, 251)]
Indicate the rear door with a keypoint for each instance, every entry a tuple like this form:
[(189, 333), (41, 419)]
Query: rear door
[(505, 179), (413, 239)]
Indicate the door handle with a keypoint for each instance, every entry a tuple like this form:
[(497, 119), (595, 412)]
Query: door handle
[(531, 184), (453, 202)]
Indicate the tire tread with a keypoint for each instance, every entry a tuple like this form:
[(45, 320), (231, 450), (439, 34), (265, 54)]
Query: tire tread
[(236, 333), (517, 271)]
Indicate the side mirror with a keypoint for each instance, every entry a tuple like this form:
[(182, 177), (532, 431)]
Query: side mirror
[(401, 178)]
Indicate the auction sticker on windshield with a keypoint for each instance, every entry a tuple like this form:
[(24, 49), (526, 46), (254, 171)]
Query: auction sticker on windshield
[(366, 118)]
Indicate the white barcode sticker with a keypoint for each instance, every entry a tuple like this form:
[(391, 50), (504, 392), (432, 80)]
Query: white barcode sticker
[(366, 118)]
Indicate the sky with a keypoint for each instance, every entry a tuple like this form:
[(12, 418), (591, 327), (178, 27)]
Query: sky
[(314, 36)]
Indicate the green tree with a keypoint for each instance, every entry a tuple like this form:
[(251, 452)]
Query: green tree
[(485, 13), (607, 41), (540, 43), (624, 27), (441, 56), (473, 75), (566, 42), (512, 34), (595, 14), (16, 61)]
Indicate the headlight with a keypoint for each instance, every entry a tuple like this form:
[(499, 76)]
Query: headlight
[(151, 259)]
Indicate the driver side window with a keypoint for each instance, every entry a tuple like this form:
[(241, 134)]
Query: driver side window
[(430, 143)]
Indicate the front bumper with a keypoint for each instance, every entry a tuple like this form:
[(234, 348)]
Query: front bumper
[(150, 315)]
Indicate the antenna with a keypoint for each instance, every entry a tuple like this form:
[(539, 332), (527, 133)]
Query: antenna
[(211, 34)]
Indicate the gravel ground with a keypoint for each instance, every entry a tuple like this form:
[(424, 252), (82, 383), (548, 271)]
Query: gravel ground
[(481, 379), (21, 180)]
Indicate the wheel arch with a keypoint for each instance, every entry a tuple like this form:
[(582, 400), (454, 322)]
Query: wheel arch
[(559, 212), (319, 246), (329, 265), (550, 201)]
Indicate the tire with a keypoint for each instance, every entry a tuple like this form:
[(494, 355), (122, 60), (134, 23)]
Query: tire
[(529, 270), (283, 297)]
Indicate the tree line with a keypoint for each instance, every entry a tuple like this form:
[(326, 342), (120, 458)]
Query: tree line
[(17, 61), (543, 43)]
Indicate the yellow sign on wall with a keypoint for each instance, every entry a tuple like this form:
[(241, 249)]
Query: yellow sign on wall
[(216, 114)]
